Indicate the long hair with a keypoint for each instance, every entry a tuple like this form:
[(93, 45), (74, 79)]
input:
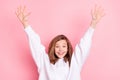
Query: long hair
[(51, 49)]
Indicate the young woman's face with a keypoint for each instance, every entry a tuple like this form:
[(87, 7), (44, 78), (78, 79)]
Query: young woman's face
[(61, 48)]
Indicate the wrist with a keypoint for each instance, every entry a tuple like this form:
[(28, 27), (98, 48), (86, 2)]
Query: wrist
[(25, 25), (93, 23)]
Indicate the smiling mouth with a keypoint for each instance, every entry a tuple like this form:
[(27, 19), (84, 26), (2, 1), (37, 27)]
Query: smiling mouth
[(60, 53)]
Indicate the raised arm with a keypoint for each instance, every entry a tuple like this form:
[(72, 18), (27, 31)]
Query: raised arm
[(36, 47), (83, 47)]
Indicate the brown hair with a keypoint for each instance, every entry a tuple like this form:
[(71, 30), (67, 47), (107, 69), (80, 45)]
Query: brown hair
[(51, 49)]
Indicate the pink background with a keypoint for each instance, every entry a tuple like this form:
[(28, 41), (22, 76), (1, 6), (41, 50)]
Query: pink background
[(51, 17)]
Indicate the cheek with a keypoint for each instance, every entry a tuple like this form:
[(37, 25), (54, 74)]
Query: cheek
[(56, 49), (67, 49)]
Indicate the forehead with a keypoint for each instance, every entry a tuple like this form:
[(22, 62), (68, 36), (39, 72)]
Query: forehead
[(61, 42)]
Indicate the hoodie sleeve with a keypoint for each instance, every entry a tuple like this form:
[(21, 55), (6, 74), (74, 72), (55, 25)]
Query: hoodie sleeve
[(82, 48), (37, 49)]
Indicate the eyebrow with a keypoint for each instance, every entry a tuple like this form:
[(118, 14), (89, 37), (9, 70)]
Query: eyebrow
[(63, 44)]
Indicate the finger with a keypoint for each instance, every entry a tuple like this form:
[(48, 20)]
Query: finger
[(24, 8), (95, 9), (98, 9), (27, 14), (92, 12), (17, 11), (101, 12), (20, 9)]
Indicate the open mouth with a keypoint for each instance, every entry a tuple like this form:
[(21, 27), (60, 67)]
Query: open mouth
[(61, 53)]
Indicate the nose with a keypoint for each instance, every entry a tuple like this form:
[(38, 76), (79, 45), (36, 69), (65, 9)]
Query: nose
[(60, 48)]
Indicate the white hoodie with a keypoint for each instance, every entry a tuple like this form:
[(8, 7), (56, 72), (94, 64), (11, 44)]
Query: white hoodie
[(61, 69)]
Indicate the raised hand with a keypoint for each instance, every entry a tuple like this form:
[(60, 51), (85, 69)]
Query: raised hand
[(97, 13), (22, 15)]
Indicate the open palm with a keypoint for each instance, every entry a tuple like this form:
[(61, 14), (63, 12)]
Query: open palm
[(97, 13), (22, 15)]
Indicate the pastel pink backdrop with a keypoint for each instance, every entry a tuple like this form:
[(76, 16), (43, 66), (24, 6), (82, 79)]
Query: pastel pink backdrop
[(51, 17)]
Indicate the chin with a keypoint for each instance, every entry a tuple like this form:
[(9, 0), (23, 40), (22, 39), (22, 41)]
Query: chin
[(61, 57)]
